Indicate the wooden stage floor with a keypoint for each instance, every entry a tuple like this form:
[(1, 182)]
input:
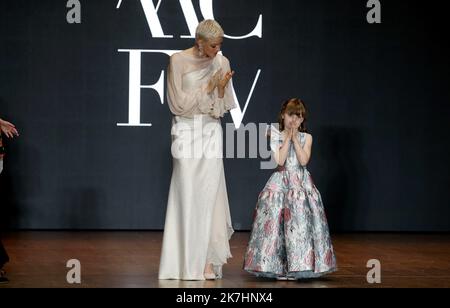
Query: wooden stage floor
[(116, 259)]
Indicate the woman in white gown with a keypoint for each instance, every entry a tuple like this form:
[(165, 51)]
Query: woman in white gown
[(198, 223)]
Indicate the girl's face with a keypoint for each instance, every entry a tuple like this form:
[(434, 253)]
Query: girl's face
[(292, 120), (211, 47)]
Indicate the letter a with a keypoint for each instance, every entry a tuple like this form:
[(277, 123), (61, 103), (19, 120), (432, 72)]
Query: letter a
[(374, 15), (374, 275), (74, 15), (74, 275)]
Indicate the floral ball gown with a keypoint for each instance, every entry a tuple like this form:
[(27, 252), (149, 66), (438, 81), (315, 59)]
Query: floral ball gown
[(290, 236)]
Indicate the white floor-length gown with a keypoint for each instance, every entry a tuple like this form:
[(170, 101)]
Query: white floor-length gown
[(198, 223)]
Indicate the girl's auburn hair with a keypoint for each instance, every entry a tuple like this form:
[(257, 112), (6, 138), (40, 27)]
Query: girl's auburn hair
[(293, 106)]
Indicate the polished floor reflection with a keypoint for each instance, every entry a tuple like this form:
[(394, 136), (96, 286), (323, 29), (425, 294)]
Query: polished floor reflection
[(130, 259)]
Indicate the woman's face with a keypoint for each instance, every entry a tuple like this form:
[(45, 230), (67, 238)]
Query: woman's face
[(211, 47), (292, 120)]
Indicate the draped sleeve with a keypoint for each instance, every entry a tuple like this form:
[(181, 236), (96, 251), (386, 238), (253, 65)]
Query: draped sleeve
[(217, 106), (180, 102)]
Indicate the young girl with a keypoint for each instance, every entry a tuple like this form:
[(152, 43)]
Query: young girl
[(290, 237)]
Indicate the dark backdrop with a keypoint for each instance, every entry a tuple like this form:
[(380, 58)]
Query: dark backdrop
[(377, 94)]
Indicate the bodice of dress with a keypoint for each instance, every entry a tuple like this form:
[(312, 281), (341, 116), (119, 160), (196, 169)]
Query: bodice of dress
[(292, 162), (197, 79)]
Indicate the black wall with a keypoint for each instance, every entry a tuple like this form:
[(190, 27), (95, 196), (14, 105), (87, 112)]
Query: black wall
[(377, 94)]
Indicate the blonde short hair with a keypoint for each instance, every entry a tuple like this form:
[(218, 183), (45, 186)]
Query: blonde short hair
[(208, 29)]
